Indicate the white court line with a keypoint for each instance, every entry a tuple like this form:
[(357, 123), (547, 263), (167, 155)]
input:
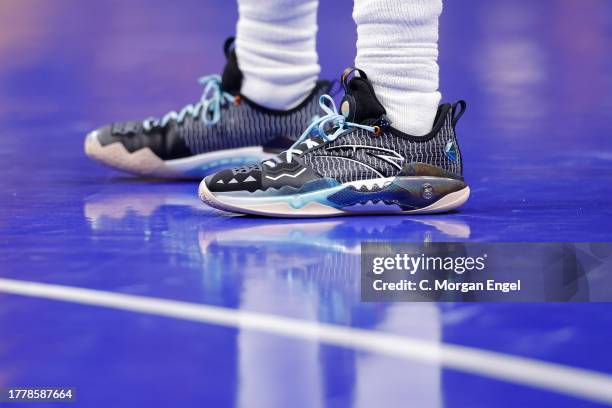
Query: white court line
[(553, 377)]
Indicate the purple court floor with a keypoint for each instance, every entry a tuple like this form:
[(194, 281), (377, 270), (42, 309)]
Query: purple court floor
[(157, 300)]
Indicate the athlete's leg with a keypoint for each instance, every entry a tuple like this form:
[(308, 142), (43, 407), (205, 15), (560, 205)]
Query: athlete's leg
[(397, 47), (276, 49)]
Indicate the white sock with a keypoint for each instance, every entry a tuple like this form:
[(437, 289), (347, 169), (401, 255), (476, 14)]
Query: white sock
[(276, 49), (397, 47)]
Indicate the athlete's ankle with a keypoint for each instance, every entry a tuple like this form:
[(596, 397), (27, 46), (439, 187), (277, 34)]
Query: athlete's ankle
[(412, 113), (277, 96)]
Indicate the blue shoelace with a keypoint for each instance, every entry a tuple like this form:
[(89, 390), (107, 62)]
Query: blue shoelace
[(320, 127), (209, 107)]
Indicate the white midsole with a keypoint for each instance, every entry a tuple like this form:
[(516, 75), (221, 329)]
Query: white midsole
[(222, 156), (282, 208), (146, 163)]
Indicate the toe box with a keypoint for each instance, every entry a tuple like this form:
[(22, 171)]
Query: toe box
[(101, 145), (246, 178)]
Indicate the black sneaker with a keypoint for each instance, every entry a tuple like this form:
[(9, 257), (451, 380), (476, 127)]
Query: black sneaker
[(224, 129), (351, 163)]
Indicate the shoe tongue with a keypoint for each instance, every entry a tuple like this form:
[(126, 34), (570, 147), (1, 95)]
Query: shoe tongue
[(231, 79), (360, 104)]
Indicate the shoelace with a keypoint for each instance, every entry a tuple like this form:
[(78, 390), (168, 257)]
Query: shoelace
[(210, 103), (318, 126)]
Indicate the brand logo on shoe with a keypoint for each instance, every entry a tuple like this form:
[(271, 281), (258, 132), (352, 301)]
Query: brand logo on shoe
[(389, 156), (451, 151), (427, 191)]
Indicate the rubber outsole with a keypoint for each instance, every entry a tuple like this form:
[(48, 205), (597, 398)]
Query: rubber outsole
[(145, 163), (283, 209)]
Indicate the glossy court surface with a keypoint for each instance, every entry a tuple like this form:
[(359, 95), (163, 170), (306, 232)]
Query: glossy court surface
[(538, 150)]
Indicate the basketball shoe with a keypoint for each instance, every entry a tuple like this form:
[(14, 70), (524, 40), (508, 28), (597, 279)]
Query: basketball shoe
[(351, 163), (223, 129)]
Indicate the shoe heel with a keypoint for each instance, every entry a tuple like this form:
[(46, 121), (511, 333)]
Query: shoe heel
[(425, 195)]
